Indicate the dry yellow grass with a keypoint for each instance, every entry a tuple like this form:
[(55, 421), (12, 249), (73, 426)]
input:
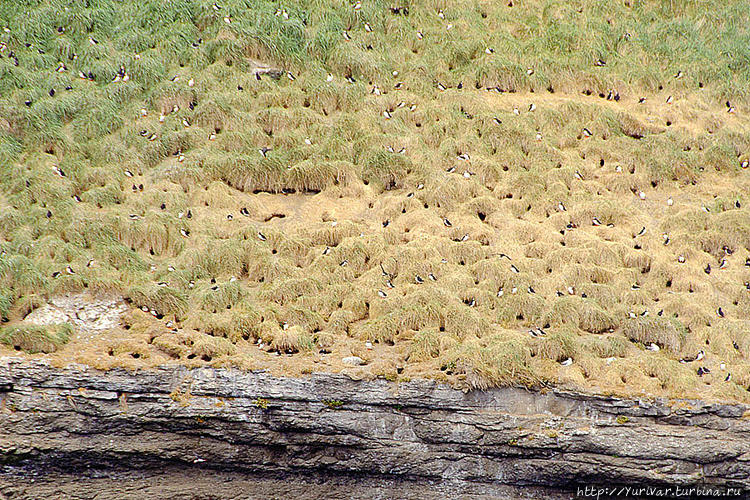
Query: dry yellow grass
[(423, 207)]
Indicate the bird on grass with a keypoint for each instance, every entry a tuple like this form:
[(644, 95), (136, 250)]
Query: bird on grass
[(653, 347), (537, 332), (418, 279), (566, 362), (697, 357)]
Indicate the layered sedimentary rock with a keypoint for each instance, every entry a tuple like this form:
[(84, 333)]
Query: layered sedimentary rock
[(80, 432)]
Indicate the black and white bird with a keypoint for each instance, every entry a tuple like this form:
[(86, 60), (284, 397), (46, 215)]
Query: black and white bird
[(697, 357), (514, 269), (720, 312), (567, 362), (264, 151), (382, 294), (446, 222), (707, 269), (432, 277), (184, 232), (653, 347), (418, 279), (537, 332), (244, 211), (595, 221), (69, 270), (262, 237)]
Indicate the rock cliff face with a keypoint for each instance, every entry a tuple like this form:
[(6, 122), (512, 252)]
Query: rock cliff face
[(215, 433)]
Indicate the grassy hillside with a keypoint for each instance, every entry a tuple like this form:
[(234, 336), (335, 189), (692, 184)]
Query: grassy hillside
[(419, 184)]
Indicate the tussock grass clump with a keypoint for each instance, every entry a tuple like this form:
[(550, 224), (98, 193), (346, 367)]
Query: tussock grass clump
[(498, 361), (35, 339), (659, 331)]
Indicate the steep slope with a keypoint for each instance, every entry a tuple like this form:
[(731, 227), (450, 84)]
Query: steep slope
[(423, 186)]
